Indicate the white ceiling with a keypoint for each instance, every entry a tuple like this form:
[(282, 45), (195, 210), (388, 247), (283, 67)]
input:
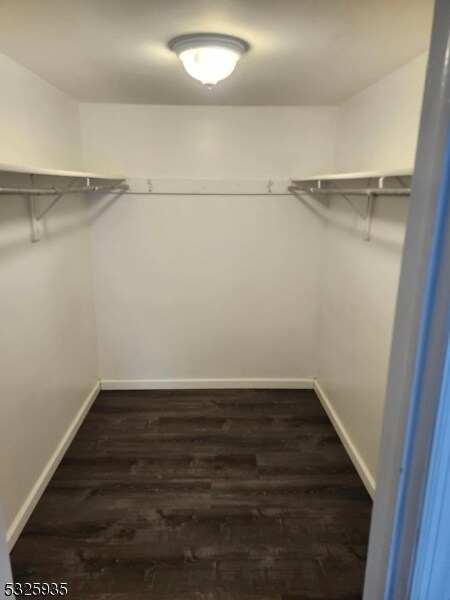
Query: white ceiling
[(303, 52)]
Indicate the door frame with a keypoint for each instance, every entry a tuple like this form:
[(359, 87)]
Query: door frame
[(416, 391)]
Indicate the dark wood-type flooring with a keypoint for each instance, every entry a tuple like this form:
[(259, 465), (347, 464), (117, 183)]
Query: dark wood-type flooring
[(201, 495)]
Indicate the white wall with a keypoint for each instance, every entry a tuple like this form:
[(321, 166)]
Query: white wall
[(377, 130), (198, 142), (205, 288), (48, 362), (39, 125), (359, 282), (192, 287)]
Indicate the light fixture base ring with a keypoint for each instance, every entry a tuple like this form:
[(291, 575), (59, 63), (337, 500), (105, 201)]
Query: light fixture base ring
[(219, 40)]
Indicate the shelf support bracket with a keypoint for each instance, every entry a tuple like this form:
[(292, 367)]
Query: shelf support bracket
[(355, 208), (34, 221), (45, 211), (367, 227), (32, 194)]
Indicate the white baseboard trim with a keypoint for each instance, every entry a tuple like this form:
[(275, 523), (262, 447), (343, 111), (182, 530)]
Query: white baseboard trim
[(363, 470), (199, 384), (36, 492)]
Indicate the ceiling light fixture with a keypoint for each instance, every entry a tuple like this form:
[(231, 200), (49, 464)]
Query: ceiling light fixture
[(208, 57)]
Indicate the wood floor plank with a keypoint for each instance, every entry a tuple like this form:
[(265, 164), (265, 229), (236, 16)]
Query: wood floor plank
[(201, 495)]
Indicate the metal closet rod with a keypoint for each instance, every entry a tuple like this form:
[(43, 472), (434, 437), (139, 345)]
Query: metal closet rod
[(62, 191), (351, 191)]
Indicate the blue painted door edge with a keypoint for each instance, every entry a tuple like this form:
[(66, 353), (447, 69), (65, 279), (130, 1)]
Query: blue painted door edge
[(430, 503)]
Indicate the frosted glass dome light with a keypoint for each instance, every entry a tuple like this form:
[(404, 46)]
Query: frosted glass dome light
[(208, 57), (209, 65)]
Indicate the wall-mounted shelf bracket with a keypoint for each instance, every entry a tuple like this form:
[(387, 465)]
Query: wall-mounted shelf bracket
[(37, 218), (299, 188), (34, 221), (58, 193), (367, 226), (366, 216)]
